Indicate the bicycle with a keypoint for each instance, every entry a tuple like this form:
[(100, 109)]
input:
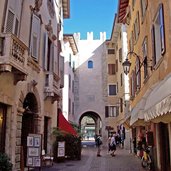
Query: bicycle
[(146, 160)]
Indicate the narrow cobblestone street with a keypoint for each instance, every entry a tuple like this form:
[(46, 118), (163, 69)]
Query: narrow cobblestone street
[(123, 161)]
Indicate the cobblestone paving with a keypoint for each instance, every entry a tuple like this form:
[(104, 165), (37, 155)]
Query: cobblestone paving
[(123, 161)]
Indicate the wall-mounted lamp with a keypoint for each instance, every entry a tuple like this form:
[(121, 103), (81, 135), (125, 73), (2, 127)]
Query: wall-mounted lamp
[(127, 64)]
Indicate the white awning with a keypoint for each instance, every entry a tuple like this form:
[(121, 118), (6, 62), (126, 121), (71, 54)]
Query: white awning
[(137, 114), (159, 101)]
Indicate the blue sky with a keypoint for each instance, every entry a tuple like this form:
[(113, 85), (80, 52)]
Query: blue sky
[(91, 16)]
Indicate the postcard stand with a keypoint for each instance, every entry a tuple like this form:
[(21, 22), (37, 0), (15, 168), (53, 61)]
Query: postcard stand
[(60, 151), (34, 142)]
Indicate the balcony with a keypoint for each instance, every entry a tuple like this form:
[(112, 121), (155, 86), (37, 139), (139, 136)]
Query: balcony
[(52, 87), (13, 56)]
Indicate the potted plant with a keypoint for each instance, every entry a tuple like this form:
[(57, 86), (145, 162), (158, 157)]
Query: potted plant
[(5, 164)]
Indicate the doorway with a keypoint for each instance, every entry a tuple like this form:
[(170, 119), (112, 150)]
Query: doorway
[(164, 146), (28, 122), (46, 121)]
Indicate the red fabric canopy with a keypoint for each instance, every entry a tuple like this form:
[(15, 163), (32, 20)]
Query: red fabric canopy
[(64, 125)]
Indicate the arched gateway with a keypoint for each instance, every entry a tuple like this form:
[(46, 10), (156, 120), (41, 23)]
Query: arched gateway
[(85, 125)]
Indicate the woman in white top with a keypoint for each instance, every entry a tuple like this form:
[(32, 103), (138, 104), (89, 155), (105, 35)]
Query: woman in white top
[(113, 144)]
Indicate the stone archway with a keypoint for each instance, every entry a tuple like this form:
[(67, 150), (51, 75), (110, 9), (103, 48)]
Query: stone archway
[(97, 121), (22, 114), (29, 121)]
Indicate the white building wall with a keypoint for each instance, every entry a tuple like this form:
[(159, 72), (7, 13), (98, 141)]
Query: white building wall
[(89, 82), (67, 92)]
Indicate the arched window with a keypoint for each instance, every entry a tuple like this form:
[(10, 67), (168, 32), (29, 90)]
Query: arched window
[(90, 64)]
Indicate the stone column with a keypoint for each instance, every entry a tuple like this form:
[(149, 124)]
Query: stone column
[(18, 139)]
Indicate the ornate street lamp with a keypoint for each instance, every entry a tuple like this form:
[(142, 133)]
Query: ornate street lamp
[(127, 64)]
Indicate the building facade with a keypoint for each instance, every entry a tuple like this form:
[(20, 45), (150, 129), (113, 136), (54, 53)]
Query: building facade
[(120, 100), (148, 29), (31, 39), (70, 60), (91, 92)]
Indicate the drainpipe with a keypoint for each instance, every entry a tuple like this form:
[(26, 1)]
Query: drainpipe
[(4, 15)]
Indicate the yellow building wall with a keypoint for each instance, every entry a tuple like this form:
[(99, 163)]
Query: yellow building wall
[(163, 66)]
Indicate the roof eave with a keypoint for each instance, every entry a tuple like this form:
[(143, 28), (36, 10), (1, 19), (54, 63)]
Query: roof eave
[(122, 5), (66, 8)]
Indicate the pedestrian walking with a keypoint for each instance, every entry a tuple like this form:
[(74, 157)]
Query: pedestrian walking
[(109, 141), (98, 144), (113, 144)]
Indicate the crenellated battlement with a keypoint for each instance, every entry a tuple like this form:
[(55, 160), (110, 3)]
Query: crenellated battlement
[(90, 36)]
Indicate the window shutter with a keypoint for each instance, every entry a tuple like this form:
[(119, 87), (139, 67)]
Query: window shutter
[(120, 55), (10, 22), (45, 50), (131, 92), (35, 36), (111, 69), (138, 73), (16, 27), (61, 64), (138, 23), (162, 32), (106, 111), (116, 65), (134, 82), (52, 57), (153, 45), (55, 65), (117, 111), (121, 105)]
